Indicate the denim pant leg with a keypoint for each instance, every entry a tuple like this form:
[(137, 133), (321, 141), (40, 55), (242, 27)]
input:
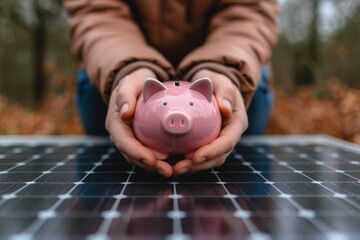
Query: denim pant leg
[(90, 106), (260, 107), (92, 109)]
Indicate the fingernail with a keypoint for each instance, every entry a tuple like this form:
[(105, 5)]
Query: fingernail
[(184, 170), (226, 104), (124, 108), (201, 160)]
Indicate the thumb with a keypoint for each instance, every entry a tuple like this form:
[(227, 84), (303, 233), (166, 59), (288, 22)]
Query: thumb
[(224, 91), (126, 99), (225, 97), (225, 107), (126, 103), (128, 91)]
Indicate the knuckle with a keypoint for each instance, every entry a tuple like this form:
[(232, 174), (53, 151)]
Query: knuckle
[(125, 80), (121, 95), (204, 72), (229, 90), (118, 90), (226, 92)]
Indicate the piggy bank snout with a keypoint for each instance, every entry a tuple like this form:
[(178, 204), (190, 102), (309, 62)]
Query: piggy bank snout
[(177, 122)]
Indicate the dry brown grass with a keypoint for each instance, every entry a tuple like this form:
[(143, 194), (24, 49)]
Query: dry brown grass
[(333, 109), (56, 117)]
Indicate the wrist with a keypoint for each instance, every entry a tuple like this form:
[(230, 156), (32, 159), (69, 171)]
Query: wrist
[(215, 68), (212, 75), (148, 69), (140, 73)]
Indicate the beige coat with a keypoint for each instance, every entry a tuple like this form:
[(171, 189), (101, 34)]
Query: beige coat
[(175, 38)]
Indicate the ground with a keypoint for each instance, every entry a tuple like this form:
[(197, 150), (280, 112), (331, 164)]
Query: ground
[(331, 109)]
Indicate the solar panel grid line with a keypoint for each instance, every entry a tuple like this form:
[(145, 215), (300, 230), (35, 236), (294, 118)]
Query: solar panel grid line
[(102, 231), (176, 215), (353, 203), (319, 141), (309, 214), (13, 194), (317, 182), (300, 172), (343, 172), (29, 159), (336, 194), (240, 213), (50, 213), (337, 170), (321, 226), (285, 189)]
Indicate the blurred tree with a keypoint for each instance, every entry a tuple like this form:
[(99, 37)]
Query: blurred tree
[(314, 38), (341, 54), (299, 46), (308, 51), (34, 17)]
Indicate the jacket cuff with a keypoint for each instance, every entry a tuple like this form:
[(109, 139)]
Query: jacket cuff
[(238, 78)]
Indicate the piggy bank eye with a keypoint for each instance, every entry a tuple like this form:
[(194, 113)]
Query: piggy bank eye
[(191, 104), (164, 103)]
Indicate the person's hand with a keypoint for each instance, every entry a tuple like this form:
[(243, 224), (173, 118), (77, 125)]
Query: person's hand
[(235, 122), (118, 122)]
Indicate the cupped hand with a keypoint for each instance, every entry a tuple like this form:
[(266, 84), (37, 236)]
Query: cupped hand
[(235, 122), (118, 123)]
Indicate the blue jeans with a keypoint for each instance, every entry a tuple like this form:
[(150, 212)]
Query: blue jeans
[(92, 109)]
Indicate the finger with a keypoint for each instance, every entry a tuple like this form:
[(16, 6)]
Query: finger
[(225, 93), (218, 147), (137, 163), (137, 159), (122, 134), (216, 162), (183, 166), (187, 166), (224, 90), (126, 97), (163, 168), (160, 166), (233, 128), (124, 139)]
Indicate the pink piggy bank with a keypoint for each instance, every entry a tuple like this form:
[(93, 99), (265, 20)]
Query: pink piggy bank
[(176, 117)]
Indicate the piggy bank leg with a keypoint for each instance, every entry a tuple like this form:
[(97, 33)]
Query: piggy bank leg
[(160, 155)]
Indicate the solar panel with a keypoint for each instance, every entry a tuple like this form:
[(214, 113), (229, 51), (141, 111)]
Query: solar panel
[(269, 188)]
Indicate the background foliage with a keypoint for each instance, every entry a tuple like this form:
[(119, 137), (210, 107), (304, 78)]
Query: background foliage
[(316, 69)]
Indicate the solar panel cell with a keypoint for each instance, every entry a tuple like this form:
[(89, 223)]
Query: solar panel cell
[(269, 188)]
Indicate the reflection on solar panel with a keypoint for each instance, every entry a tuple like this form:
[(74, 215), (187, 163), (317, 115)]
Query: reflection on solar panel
[(287, 188)]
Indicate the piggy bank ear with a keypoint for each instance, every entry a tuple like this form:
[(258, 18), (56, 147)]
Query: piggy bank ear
[(203, 86), (151, 87)]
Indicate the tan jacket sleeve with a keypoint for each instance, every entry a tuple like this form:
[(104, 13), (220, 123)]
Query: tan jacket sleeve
[(240, 40), (102, 32)]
